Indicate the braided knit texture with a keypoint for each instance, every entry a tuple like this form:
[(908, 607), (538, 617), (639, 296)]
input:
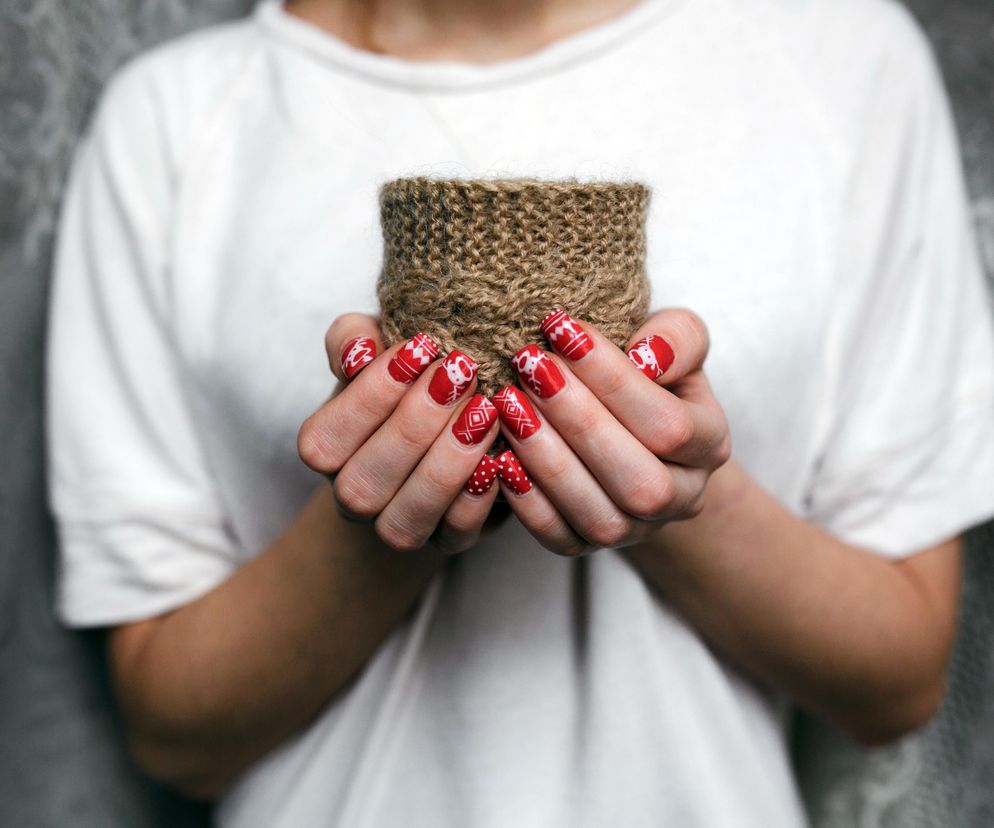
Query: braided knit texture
[(476, 264)]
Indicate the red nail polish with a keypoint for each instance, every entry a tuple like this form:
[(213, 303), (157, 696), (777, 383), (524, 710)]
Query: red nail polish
[(356, 355), (516, 412), (483, 478), (565, 335), (452, 378), (652, 356), (538, 371), (513, 473), (474, 421), (411, 360)]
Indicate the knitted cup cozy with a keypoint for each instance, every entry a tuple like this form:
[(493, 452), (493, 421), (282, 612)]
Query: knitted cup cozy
[(477, 264)]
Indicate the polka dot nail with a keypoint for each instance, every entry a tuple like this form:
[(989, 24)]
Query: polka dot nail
[(513, 473), (483, 478)]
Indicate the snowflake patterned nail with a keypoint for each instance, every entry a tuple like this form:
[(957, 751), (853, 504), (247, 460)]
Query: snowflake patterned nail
[(452, 378), (483, 478), (513, 473), (652, 356), (538, 371), (410, 361), (516, 412), (357, 354), (474, 421), (565, 335)]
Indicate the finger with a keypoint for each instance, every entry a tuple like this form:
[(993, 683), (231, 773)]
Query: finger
[(414, 512), (376, 470), (669, 345), (338, 428), (682, 429), (352, 342), (564, 479), (462, 523), (633, 477), (536, 512)]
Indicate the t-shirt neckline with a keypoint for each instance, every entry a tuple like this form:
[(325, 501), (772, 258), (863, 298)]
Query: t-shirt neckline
[(455, 75)]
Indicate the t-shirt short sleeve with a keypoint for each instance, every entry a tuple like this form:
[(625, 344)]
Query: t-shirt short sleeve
[(140, 525), (906, 458)]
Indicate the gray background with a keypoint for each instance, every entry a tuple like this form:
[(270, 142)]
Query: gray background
[(61, 756)]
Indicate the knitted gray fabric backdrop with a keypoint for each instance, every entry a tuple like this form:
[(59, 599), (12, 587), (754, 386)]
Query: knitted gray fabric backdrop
[(61, 757)]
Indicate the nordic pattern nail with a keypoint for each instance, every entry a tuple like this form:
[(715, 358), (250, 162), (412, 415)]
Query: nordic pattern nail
[(410, 361), (483, 478), (565, 335), (652, 356), (452, 378), (516, 412), (538, 371), (356, 355), (513, 473), (474, 421)]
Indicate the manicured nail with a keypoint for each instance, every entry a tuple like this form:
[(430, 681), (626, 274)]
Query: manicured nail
[(411, 360), (513, 473), (356, 355), (474, 421), (652, 356), (538, 371), (452, 378), (483, 478), (565, 335), (516, 412)]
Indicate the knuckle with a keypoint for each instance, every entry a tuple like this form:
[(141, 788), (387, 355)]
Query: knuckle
[(411, 435), (315, 448), (572, 549), (398, 538), (435, 481), (582, 424), (676, 432), (608, 530), (723, 451), (650, 497), (355, 497)]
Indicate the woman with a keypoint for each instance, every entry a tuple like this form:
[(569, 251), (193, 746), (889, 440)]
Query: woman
[(784, 528)]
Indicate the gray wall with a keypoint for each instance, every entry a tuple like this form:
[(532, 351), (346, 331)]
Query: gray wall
[(61, 757)]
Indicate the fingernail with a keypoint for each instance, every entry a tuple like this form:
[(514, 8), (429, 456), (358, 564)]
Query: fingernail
[(565, 335), (516, 412), (452, 378), (483, 478), (410, 361), (513, 473), (356, 355), (474, 421), (652, 356), (538, 371)]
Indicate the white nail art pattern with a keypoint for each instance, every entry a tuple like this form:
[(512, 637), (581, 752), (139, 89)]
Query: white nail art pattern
[(357, 355), (644, 357), (565, 335)]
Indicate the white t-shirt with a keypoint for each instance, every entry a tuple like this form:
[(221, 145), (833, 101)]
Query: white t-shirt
[(807, 202)]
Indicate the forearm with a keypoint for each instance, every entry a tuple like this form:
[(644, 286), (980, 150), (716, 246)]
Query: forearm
[(843, 631), (214, 685)]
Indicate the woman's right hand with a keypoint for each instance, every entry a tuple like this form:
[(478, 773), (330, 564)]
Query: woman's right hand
[(403, 438)]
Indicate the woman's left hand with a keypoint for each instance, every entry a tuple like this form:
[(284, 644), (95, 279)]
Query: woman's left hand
[(618, 444)]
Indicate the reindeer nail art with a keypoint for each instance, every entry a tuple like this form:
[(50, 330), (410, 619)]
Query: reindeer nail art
[(516, 412), (410, 361), (565, 335), (356, 355), (538, 371), (483, 478), (652, 356), (474, 420), (452, 378), (513, 473)]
